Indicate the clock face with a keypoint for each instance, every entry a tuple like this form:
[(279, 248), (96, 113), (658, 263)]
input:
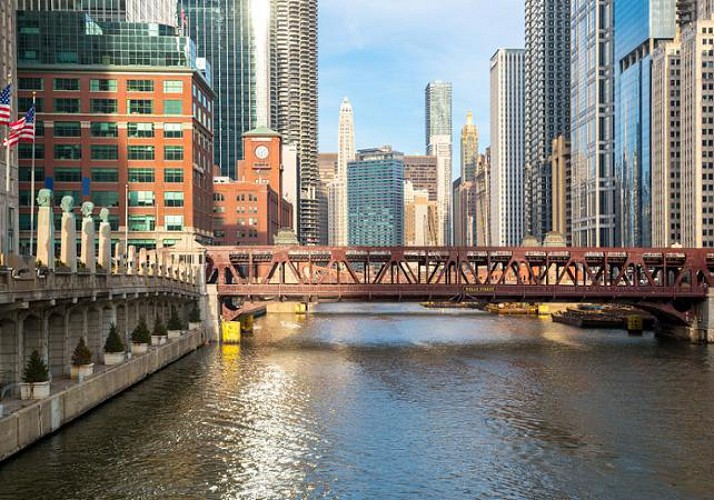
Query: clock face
[(261, 152)]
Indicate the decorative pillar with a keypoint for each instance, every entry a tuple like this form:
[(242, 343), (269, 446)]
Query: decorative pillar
[(105, 241), (131, 260), (88, 257), (45, 229), (142, 261), (120, 257), (68, 236)]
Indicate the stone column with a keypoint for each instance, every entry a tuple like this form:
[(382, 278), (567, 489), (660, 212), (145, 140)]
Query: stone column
[(88, 256), (142, 261), (68, 236), (105, 241), (152, 262), (45, 229), (131, 260), (120, 257)]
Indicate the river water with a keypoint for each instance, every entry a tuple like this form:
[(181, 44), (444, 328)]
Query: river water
[(390, 401)]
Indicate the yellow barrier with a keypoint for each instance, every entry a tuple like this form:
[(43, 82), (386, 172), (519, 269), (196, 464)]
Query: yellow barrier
[(231, 332)]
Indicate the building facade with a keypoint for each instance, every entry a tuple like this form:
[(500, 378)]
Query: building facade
[(327, 173), (469, 149), (547, 108), (507, 147), (375, 193), (419, 217), (464, 202), (640, 25), (338, 189), (421, 171), (482, 183), (439, 129), (592, 104), (8, 75), (116, 130), (133, 11), (562, 188)]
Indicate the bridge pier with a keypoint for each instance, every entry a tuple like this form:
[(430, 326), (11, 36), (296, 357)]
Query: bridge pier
[(702, 328)]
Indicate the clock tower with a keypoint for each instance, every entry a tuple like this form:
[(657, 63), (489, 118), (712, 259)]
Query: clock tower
[(263, 158)]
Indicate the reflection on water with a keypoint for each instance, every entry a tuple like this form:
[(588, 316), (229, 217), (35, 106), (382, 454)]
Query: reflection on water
[(391, 401)]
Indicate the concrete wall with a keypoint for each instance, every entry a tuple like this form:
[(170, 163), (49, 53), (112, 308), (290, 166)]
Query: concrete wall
[(24, 427)]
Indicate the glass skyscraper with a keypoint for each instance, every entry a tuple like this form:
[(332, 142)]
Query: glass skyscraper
[(639, 25), (439, 128)]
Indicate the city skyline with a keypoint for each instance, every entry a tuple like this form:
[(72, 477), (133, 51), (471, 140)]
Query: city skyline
[(360, 42)]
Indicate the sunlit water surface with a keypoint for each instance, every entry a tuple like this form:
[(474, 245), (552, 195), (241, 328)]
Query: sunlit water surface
[(391, 401)]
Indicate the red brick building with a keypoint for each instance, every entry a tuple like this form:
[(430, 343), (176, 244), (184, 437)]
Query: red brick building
[(250, 211)]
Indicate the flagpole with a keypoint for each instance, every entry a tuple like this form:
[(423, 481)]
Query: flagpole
[(5, 245), (32, 177)]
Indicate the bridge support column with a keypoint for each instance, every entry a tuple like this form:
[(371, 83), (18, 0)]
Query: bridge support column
[(702, 328)]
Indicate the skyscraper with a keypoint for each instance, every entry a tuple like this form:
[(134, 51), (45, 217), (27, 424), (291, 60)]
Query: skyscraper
[(338, 189), (469, 149), (547, 94), (507, 140), (439, 127), (464, 192), (592, 106), (295, 31), (639, 26), (133, 11)]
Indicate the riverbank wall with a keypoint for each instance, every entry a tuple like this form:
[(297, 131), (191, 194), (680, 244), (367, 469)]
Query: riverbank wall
[(38, 419)]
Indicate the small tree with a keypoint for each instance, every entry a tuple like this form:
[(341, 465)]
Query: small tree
[(159, 327), (174, 321), (114, 342), (36, 369), (141, 334), (82, 355), (195, 316)]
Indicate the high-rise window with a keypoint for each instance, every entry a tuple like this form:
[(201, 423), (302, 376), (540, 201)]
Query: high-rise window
[(141, 198), (173, 86), (68, 174), (67, 129), (104, 152), (141, 152), (141, 175), (71, 84), (31, 84), (105, 175), (142, 223), (103, 85), (173, 175), (68, 152), (173, 107), (140, 85), (173, 198), (173, 153), (103, 106), (140, 106), (140, 129), (173, 131), (174, 222), (104, 129), (105, 198), (65, 105)]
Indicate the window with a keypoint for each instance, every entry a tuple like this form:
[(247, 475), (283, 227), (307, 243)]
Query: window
[(141, 198), (103, 106), (173, 153), (105, 198), (67, 129), (66, 105), (104, 129), (59, 194), (141, 152), (25, 222), (173, 198), (66, 84), (173, 107), (142, 223), (172, 131), (26, 198), (31, 84), (24, 151), (141, 175), (68, 152), (219, 197), (26, 174), (173, 175), (174, 222), (104, 152), (140, 106), (68, 174), (140, 85), (105, 175), (103, 85), (140, 129), (39, 128), (173, 87)]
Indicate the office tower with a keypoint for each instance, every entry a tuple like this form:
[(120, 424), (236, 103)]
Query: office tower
[(666, 144), (592, 132), (327, 172), (469, 149), (421, 171), (133, 11), (295, 32), (483, 199), (439, 128), (375, 198), (639, 26), (419, 217), (338, 189), (507, 146), (561, 188), (8, 75), (114, 130), (547, 94)]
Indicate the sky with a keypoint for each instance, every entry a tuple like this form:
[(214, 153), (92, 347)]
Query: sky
[(382, 53)]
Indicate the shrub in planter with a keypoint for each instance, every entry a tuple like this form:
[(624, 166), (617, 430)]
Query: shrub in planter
[(82, 365), (140, 337), (113, 347), (194, 319), (158, 336), (36, 378), (175, 326)]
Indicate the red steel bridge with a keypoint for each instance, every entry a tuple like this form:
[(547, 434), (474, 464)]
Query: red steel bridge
[(667, 281)]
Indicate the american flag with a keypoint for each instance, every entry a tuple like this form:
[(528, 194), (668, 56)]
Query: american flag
[(23, 130), (5, 98)]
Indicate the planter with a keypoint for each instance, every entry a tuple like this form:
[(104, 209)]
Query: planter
[(80, 372), (164, 340), (194, 325), (175, 334), (139, 348), (41, 390), (113, 358), (25, 391), (156, 340)]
